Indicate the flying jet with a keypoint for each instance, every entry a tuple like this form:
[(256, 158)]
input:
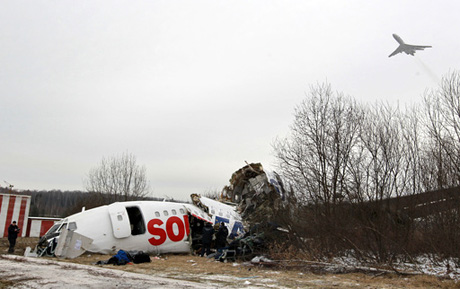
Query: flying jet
[(149, 226), (406, 48)]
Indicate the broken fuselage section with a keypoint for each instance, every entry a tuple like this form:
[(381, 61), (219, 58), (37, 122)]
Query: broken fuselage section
[(255, 192), (149, 226)]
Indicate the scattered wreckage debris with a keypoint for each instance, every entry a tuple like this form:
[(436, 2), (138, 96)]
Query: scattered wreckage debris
[(244, 247), (263, 261), (254, 242)]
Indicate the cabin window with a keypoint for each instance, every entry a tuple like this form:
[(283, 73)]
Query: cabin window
[(213, 212), (182, 211), (120, 218), (173, 211), (136, 221), (54, 231), (157, 214), (72, 226), (165, 213)]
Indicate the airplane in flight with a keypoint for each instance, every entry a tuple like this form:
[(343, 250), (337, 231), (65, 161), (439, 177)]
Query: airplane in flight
[(406, 48), (150, 226)]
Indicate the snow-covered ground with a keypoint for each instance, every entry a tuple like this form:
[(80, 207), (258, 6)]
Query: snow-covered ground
[(29, 272), (448, 268)]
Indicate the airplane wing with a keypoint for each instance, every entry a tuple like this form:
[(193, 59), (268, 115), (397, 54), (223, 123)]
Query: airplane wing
[(418, 47), (398, 50), (408, 49)]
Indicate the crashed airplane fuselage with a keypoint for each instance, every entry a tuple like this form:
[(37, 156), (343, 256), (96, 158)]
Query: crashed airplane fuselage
[(149, 226)]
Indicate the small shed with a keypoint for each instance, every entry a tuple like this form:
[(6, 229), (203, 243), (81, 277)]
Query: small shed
[(14, 208), (38, 226)]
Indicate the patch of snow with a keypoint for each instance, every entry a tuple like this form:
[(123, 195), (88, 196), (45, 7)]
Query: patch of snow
[(30, 272)]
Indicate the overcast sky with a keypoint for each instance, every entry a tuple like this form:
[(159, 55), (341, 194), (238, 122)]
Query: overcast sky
[(194, 89)]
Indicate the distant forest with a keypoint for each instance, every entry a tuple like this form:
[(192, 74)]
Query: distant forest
[(57, 203)]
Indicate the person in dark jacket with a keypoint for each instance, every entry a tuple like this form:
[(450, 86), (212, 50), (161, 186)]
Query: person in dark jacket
[(206, 239), (221, 236), (13, 231)]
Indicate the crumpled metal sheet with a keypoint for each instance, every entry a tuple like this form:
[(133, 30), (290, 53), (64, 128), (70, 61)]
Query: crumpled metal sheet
[(251, 187)]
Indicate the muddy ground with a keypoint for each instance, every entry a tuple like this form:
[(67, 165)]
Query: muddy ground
[(208, 273)]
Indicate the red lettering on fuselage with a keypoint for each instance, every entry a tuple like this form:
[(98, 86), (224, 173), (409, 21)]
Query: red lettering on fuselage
[(156, 232), (169, 229), (160, 234)]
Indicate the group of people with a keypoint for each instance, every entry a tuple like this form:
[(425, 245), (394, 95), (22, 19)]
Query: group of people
[(207, 237)]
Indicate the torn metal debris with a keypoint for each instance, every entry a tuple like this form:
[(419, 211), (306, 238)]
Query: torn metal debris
[(251, 187), (71, 244)]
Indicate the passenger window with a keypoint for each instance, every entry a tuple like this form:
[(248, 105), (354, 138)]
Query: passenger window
[(120, 218), (165, 213), (72, 226), (182, 211), (157, 214), (173, 211), (213, 212)]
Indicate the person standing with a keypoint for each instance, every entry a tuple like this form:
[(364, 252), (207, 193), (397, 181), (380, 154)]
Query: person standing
[(206, 239), (221, 236), (13, 231)]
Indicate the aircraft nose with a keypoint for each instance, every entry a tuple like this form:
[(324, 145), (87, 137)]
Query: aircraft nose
[(397, 38)]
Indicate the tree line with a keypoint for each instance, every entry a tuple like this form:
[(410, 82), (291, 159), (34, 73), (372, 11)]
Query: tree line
[(344, 160), (60, 204)]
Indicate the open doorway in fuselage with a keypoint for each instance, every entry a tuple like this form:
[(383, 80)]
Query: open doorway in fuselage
[(196, 231), (136, 220)]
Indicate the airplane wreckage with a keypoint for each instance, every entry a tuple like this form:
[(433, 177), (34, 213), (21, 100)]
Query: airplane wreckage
[(156, 227)]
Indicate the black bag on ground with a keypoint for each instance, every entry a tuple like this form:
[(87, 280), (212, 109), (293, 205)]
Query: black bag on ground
[(141, 257)]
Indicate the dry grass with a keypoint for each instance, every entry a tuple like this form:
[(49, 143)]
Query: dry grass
[(198, 269)]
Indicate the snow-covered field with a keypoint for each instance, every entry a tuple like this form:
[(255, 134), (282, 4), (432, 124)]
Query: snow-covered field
[(27, 272), (187, 271), (446, 268)]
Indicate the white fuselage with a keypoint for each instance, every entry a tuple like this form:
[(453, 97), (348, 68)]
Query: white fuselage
[(149, 226)]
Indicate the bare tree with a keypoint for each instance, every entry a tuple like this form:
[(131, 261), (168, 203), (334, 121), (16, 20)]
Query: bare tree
[(118, 178), (352, 167), (443, 131), (315, 159), (345, 160), (382, 139), (412, 135)]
